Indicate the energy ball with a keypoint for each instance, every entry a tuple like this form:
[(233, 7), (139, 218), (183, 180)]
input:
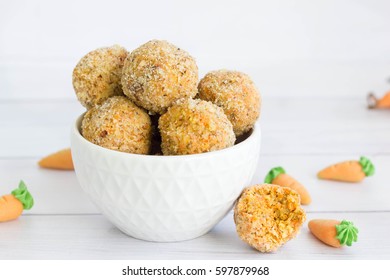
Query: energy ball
[(157, 74), (98, 74), (236, 94), (267, 216), (118, 124), (194, 126)]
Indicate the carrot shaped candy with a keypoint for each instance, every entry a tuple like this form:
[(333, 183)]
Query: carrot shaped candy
[(334, 233), (61, 160), (12, 205), (348, 171), (379, 103), (278, 176)]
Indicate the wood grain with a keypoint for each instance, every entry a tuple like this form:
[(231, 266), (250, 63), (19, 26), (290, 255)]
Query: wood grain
[(93, 237), (58, 192)]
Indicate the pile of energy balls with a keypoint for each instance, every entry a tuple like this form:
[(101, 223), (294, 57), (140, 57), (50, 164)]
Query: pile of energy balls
[(149, 101)]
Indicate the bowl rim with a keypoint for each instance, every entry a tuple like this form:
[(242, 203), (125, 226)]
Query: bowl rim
[(76, 131)]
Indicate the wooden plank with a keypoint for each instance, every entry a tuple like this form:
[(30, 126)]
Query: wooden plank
[(93, 237), (58, 192), (289, 125)]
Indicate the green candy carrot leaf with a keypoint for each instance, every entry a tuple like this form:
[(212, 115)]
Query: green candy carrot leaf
[(23, 195), (346, 233), (273, 173), (368, 167)]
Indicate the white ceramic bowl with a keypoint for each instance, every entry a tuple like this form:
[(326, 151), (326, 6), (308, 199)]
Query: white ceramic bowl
[(164, 198)]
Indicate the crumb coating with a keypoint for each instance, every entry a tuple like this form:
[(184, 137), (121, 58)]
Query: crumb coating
[(157, 74), (195, 126), (267, 216), (98, 74), (118, 124), (236, 93)]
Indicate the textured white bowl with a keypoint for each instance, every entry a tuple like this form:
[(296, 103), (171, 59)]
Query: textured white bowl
[(164, 198)]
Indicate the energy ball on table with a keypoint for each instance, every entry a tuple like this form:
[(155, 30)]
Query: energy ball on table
[(118, 124), (195, 126), (267, 216), (236, 94), (98, 74), (157, 74)]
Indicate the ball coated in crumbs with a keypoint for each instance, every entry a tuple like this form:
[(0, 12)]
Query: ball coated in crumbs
[(157, 74), (97, 76), (267, 216), (236, 93), (118, 124), (195, 126)]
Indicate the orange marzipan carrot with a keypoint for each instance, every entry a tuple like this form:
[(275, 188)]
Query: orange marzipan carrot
[(12, 205), (352, 171), (334, 233), (349, 171), (10, 208), (325, 230), (60, 160)]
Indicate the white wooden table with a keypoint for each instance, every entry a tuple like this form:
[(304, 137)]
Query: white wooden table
[(301, 134)]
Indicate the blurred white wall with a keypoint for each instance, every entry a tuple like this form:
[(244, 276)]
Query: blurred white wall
[(302, 47)]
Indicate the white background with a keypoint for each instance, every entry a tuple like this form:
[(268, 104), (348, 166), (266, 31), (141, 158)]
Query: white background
[(295, 48), (313, 61)]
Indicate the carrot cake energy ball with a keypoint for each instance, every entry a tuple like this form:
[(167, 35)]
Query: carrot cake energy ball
[(236, 94), (195, 126), (118, 124), (98, 74), (157, 74), (267, 216)]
